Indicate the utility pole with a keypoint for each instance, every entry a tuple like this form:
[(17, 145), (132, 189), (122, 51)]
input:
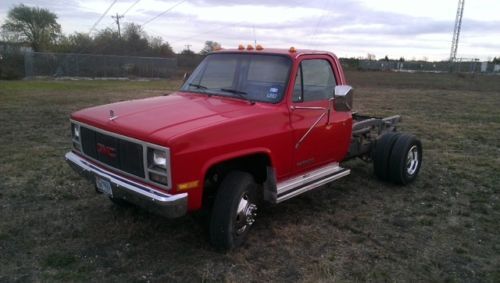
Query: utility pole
[(117, 21), (456, 31), (188, 47)]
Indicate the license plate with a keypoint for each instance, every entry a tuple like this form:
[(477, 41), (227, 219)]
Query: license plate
[(103, 186)]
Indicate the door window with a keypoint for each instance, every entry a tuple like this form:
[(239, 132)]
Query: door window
[(315, 81)]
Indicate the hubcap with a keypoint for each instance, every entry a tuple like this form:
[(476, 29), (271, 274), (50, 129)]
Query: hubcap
[(412, 160), (245, 214)]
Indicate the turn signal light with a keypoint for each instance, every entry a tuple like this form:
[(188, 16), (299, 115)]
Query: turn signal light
[(188, 185)]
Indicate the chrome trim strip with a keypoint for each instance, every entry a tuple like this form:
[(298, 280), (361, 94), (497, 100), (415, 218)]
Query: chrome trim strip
[(310, 130), (342, 173), (310, 180), (146, 191), (145, 146)]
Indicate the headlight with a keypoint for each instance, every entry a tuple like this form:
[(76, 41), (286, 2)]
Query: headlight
[(160, 158), (76, 131), (158, 165), (75, 135)]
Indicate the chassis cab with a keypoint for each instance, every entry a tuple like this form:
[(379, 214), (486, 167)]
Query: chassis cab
[(249, 125)]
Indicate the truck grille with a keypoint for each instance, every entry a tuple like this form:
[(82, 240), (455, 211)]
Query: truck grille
[(118, 153)]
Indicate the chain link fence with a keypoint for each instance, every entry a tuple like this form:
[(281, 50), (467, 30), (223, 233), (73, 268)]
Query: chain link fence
[(462, 65), (37, 64)]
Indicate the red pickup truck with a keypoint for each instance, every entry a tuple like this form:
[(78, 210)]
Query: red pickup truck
[(249, 126)]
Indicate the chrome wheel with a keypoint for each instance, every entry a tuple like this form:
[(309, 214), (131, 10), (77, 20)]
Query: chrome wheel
[(412, 160), (245, 214)]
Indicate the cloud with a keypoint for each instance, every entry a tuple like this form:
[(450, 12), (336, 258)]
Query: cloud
[(352, 27)]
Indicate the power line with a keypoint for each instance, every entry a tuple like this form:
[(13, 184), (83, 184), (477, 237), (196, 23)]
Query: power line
[(163, 13), (326, 8), (130, 7), (102, 16)]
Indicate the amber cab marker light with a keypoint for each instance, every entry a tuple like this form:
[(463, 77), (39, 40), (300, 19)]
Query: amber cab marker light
[(292, 50), (218, 48), (259, 47), (249, 47), (241, 47)]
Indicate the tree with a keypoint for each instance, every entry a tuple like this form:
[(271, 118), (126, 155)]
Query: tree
[(75, 43), (160, 48), (32, 25), (108, 42), (136, 41), (209, 47), (496, 60)]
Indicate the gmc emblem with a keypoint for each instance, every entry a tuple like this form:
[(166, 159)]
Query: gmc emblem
[(106, 150)]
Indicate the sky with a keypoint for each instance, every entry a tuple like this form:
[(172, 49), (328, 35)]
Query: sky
[(397, 28)]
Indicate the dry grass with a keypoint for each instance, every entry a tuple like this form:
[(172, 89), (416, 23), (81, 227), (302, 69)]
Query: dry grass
[(443, 227)]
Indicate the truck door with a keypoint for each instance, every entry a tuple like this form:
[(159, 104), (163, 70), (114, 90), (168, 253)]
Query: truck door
[(318, 130)]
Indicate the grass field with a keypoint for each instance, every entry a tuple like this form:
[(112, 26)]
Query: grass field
[(443, 227)]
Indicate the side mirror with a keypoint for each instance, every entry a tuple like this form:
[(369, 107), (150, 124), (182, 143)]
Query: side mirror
[(343, 97), (186, 76)]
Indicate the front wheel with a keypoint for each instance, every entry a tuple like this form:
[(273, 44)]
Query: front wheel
[(234, 210)]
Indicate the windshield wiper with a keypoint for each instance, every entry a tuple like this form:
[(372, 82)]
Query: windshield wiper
[(235, 91), (198, 86), (240, 93)]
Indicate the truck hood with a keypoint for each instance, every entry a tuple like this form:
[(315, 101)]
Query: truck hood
[(172, 114)]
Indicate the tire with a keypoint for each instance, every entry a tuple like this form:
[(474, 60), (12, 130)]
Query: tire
[(233, 212), (405, 160), (382, 153)]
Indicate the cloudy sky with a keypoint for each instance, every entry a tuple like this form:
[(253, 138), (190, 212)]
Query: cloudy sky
[(412, 29)]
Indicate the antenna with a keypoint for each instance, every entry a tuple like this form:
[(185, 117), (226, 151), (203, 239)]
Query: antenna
[(456, 31), (254, 36)]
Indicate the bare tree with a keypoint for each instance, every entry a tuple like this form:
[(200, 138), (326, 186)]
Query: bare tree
[(32, 25)]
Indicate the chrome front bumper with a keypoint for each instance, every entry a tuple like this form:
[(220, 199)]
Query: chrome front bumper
[(123, 188)]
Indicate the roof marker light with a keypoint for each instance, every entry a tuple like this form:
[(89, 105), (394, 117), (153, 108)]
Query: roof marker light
[(292, 50), (249, 47), (259, 47), (241, 47)]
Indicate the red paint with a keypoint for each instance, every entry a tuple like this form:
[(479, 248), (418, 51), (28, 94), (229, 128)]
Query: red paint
[(202, 131)]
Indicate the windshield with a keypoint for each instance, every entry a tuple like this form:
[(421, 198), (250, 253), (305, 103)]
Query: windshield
[(255, 77)]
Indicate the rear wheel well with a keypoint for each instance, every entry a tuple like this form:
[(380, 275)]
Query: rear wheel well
[(255, 164)]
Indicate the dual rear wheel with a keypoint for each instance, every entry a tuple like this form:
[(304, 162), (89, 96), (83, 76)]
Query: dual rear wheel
[(397, 158)]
